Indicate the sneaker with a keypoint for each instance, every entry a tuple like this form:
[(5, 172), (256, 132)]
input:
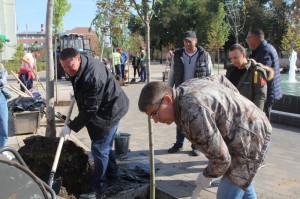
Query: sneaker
[(175, 148), (195, 152), (91, 195)]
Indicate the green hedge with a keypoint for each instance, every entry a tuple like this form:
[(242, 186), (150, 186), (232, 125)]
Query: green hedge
[(15, 66)]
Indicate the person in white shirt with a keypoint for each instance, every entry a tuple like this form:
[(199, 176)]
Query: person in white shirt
[(26, 71)]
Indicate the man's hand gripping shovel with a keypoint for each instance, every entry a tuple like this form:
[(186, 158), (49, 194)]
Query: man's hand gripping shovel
[(60, 144)]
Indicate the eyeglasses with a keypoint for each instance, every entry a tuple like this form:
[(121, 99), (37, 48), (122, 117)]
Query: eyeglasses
[(155, 113)]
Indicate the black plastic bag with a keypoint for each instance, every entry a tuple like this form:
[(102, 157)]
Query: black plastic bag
[(27, 104)]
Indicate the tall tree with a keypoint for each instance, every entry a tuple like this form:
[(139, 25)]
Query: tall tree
[(218, 31), (145, 11), (50, 130), (236, 17), (61, 7)]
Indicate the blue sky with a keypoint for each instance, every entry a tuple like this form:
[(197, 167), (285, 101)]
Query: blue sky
[(33, 13)]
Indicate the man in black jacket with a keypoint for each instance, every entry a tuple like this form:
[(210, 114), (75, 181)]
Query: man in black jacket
[(101, 104)]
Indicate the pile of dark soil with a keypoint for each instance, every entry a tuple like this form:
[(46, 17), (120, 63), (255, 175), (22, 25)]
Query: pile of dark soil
[(74, 170)]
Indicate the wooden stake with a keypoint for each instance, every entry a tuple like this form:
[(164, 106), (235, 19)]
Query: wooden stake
[(14, 89), (22, 84), (38, 80)]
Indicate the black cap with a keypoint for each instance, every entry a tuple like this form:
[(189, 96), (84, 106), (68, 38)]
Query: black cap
[(190, 35)]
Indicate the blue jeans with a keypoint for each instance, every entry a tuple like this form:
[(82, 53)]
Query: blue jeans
[(143, 74), (179, 137), (123, 70), (105, 165), (118, 70), (228, 190), (27, 82), (3, 121)]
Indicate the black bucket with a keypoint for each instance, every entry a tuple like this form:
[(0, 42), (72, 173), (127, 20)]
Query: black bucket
[(122, 143)]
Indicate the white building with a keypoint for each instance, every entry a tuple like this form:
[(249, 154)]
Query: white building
[(8, 27)]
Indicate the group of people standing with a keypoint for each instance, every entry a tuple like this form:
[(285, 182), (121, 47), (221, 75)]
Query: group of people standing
[(120, 60), (139, 64), (224, 117)]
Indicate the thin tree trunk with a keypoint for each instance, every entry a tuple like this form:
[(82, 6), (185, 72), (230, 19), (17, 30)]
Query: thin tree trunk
[(50, 131), (101, 44), (55, 67), (150, 128)]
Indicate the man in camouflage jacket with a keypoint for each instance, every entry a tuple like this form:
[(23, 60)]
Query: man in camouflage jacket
[(231, 131)]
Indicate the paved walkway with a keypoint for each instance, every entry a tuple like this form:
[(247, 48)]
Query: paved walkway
[(175, 173)]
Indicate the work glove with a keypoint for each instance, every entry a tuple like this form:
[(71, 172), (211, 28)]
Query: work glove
[(65, 132), (203, 182)]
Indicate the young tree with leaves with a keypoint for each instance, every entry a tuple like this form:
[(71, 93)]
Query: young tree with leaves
[(218, 32), (145, 11), (134, 43), (56, 9)]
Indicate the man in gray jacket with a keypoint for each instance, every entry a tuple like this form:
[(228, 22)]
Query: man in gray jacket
[(188, 62), (231, 131)]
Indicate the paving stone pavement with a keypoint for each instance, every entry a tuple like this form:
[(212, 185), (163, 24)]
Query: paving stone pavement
[(175, 173)]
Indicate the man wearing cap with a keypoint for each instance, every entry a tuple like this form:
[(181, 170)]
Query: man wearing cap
[(189, 62)]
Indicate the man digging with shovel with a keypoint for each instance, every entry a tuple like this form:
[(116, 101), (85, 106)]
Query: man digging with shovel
[(101, 104)]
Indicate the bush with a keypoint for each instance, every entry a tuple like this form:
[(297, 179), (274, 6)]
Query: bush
[(19, 53)]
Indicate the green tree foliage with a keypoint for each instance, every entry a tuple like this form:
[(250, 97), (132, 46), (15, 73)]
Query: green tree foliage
[(173, 17), (291, 39), (19, 53), (135, 42), (289, 42), (275, 23), (218, 30), (135, 24), (112, 16), (60, 9)]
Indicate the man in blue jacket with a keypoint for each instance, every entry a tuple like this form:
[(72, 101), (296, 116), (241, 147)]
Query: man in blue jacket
[(265, 53), (101, 104)]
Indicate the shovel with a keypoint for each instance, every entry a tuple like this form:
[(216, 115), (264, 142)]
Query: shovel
[(60, 144)]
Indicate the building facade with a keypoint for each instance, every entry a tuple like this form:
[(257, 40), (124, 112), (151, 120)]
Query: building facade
[(38, 38), (31, 38), (8, 28)]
